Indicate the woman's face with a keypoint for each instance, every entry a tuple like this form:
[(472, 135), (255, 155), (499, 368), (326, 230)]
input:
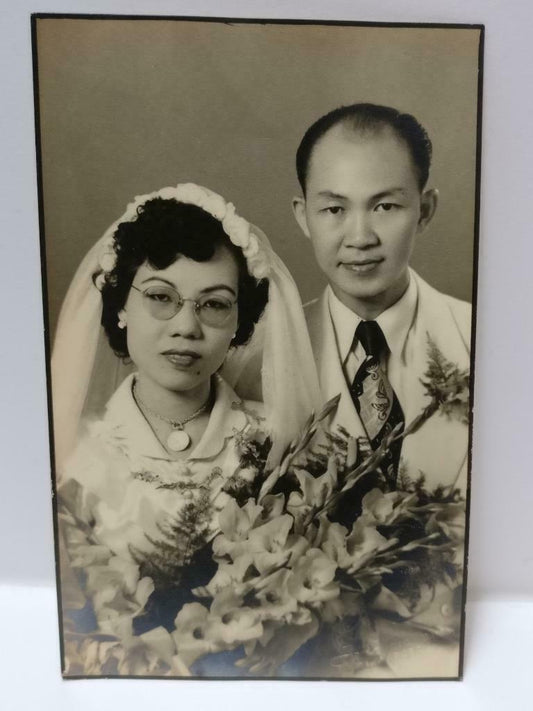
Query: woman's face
[(181, 353)]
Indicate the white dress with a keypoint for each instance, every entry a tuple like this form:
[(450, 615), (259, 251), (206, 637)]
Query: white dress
[(119, 494)]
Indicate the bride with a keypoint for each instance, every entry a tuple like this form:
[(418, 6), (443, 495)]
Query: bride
[(191, 296)]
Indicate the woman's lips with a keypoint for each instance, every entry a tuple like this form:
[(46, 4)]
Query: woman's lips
[(182, 359), (366, 266)]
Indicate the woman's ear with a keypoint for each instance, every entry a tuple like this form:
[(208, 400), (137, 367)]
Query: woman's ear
[(428, 206), (298, 208), (232, 342), (122, 319)]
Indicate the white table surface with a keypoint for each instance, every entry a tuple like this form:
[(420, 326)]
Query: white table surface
[(498, 673)]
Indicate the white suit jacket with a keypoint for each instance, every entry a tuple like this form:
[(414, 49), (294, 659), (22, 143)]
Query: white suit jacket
[(439, 448)]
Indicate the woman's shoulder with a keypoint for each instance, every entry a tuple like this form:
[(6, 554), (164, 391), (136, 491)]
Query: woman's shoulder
[(101, 455), (254, 408), (228, 399), (257, 424), (233, 420)]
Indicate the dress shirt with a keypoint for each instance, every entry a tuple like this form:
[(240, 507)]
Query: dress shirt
[(395, 322)]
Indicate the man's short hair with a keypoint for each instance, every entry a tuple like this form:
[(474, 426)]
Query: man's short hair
[(368, 118)]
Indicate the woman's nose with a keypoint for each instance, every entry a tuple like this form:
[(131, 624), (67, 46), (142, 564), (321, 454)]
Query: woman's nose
[(185, 322)]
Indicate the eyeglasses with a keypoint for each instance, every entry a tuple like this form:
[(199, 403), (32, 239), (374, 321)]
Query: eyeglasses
[(163, 303)]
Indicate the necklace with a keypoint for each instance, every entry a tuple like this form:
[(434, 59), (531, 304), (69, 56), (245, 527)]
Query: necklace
[(178, 440)]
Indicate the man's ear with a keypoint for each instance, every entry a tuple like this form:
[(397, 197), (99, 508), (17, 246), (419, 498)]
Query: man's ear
[(428, 205), (298, 208)]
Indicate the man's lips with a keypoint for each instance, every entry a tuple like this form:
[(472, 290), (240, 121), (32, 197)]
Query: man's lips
[(361, 266)]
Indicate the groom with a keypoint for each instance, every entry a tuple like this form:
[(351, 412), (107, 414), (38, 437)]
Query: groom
[(363, 170)]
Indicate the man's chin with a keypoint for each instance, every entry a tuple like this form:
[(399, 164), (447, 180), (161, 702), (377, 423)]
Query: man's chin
[(367, 300), (366, 292), (372, 291)]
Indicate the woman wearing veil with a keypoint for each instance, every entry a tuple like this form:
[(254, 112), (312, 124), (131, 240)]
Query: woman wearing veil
[(178, 284)]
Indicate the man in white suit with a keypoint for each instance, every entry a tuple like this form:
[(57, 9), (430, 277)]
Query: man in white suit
[(363, 170)]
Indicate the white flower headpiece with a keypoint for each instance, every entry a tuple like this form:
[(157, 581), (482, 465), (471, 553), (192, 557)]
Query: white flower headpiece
[(239, 230)]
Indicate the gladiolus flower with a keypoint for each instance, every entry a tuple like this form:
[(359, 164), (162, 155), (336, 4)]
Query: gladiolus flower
[(312, 578)]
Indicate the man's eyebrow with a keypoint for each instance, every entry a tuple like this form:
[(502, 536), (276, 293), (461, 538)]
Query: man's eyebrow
[(389, 191), (331, 194)]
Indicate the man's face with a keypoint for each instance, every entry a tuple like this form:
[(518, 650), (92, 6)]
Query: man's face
[(362, 211)]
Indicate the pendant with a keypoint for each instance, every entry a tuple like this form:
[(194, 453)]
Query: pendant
[(178, 440)]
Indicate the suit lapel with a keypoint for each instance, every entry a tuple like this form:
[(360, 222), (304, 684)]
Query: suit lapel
[(439, 447)]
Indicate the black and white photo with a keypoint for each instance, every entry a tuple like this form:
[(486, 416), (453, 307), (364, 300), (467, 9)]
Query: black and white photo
[(259, 245)]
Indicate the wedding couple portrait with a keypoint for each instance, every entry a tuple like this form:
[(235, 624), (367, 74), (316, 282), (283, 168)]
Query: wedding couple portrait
[(248, 482)]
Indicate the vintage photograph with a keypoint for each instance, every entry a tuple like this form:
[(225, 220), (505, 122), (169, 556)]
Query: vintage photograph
[(259, 244)]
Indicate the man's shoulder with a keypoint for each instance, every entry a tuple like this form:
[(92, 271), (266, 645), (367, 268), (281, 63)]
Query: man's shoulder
[(457, 306), (434, 303)]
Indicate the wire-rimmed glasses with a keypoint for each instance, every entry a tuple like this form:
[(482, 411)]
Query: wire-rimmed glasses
[(164, 302)]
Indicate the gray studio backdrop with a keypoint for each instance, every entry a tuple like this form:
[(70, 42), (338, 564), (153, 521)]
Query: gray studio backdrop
[(129, 106)]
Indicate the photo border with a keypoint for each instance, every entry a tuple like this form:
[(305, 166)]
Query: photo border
[(35, 17)]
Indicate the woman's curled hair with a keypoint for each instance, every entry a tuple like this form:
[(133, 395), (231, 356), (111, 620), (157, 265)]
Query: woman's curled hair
[(164, 230)]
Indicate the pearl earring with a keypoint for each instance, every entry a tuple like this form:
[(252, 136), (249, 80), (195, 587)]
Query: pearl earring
[(121, 323)]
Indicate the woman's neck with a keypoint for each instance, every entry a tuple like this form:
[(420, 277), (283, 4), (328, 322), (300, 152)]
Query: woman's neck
[(171, 404)]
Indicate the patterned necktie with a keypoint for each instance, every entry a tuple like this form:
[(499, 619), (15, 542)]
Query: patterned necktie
[(373, 396)]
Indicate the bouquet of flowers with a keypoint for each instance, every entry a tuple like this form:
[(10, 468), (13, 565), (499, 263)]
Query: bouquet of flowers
[(292, 580)]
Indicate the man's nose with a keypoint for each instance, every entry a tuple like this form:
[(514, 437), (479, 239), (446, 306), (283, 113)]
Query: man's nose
[(185, 322), (359, 231)]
